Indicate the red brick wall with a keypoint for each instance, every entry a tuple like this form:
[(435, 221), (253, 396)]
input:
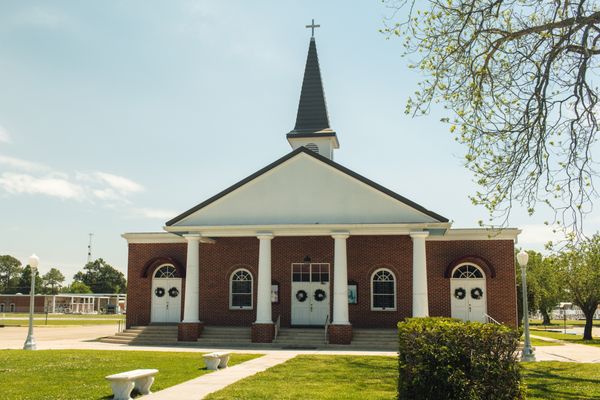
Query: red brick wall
[(21, 303), (365, 255)]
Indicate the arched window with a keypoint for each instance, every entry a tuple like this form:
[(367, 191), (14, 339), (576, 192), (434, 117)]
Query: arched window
[(12, 307), (166, 271), (467, 271), (240, 290), (2, 305), (383, 290)]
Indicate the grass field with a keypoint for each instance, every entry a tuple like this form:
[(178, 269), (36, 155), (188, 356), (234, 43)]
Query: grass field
[(539, 342), (79, 374), (22, 319), (374, 378), (62, 316), (559, 323), (567, 338)]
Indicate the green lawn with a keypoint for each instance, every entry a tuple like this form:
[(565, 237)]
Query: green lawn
[(58, 322), (79, 374), (556, 323), (22, 319), (562, 381), (373, 377), (539, 342), (61, 316), (567, 338)]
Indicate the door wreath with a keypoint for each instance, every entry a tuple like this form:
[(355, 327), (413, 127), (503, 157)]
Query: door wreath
[(301, 296), (476, 293), (320, 295), (173, 292), (159, 292), (460, 293)]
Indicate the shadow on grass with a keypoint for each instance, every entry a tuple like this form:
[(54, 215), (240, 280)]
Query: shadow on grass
[(556, 383)]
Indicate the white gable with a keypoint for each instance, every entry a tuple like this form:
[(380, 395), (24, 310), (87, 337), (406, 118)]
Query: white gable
[(304, 190)]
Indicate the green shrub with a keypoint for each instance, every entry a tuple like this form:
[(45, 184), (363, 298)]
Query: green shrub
[(443, 358)]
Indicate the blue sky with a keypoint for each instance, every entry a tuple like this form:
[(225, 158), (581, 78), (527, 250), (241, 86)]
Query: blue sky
[(115, 116)]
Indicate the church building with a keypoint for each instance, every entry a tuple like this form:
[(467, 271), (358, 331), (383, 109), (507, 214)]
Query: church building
[(306, 242)]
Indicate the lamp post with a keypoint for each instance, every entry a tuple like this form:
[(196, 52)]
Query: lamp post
[(30, 341), (527, 354)]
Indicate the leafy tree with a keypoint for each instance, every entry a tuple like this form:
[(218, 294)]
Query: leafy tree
[(520, 80), (10, 270), (25, 281), (77, 287), (545, 284), (101, 277), (52, 280), (580, 267)]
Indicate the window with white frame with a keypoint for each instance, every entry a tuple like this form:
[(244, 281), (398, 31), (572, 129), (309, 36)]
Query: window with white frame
[(383, 290), (12, 307), (240, 290), (166, 271), (467, 271), (2, 305)]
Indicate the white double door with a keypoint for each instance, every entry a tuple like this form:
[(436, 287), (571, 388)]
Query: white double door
[(310, 293), (468, 299), (166, 300)]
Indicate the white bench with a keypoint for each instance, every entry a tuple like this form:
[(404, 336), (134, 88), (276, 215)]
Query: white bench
[(214, 361), (122, 384)]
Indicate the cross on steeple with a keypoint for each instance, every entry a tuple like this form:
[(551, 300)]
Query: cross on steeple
[(312, 28)]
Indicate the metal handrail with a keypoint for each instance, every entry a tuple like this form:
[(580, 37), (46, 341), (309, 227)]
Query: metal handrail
[(491, 320), (277, 326), (326, 328)]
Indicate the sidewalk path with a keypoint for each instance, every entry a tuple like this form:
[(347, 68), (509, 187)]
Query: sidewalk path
[(200, 387), (567, 352)]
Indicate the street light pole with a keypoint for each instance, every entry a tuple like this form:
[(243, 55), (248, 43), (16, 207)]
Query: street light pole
[(527, 354), (30, 341)]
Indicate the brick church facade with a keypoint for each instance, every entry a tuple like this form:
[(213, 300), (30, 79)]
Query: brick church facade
[(308, 242)]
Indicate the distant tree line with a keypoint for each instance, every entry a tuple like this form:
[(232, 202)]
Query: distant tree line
[(97, 277)]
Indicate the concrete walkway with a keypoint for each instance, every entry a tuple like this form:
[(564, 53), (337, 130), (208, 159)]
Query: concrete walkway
[(200, 387), (570, 352)]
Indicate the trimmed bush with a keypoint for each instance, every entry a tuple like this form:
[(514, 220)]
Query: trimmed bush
[(443, 358)]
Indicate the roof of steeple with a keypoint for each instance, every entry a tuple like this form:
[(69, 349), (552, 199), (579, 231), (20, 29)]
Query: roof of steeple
[(312, 115)]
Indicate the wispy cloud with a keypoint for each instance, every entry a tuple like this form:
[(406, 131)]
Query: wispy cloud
[(27, 177), (4, 135), (55, 186), (20, 164), (540, 234), (155, 213), (39, 17)]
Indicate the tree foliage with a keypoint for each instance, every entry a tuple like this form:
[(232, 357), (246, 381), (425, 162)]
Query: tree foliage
[(519, 77), (545, 286), (25, 281), (77, 287), (10, 271), (580, 267), (52, 281), (101, 277)]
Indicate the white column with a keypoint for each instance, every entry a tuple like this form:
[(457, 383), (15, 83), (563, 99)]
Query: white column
[(340, 280), (263, 294), (420, 305), (191, 302)]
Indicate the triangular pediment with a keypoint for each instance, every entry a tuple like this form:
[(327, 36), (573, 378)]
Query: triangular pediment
[(305, 188)]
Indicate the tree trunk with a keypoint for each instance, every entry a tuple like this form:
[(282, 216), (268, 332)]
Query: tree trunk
[(546, 317), (589, 322)]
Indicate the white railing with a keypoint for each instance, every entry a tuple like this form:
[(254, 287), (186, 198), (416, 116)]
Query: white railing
[(277, 327), (491, 320), (326, 328)]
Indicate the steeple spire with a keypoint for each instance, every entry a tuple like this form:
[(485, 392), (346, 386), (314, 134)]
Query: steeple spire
[(312, 120)]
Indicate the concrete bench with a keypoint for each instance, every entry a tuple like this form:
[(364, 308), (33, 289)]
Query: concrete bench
[(122, 384), (214, 361)]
